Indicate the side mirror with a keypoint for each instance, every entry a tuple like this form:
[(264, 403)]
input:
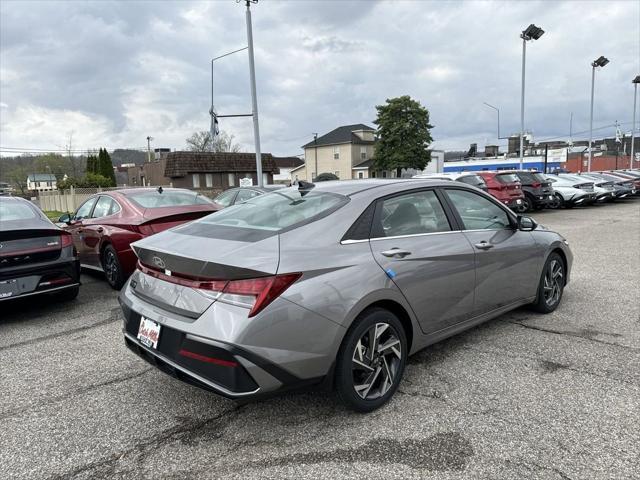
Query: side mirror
[(65, 218), (526, 224)]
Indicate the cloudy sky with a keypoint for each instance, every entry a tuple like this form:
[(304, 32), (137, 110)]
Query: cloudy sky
[(114, 72)]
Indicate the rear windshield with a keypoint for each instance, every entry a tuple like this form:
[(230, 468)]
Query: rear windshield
[(276, 211), (507, 178), (538, 177), (475, 180), (15, 211), (154, 199)]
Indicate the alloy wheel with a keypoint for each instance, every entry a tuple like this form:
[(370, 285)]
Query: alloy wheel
[(376, 361), (111, 267), (553, 282)]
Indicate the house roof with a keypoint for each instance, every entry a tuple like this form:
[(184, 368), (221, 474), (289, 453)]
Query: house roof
[(41, 177), (180, 164), (288, 162), (342, 134), (365, 164)]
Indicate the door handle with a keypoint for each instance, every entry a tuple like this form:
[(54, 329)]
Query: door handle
[(396, 252), (100, 229), (483, 245)]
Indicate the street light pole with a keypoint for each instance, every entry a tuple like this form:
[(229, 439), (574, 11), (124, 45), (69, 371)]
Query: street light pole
[(498, 111), (531, 33), (599, 62), (635, 82), (254, 99)]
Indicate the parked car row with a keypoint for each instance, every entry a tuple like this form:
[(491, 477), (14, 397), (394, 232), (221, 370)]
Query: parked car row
[(524, 190)]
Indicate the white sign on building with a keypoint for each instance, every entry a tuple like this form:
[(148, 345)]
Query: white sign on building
[(246, 182)]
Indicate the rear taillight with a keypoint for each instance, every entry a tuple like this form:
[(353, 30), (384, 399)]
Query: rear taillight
[(536, 184), (146, 230), (66, 241), (257, 293), (201, 284)]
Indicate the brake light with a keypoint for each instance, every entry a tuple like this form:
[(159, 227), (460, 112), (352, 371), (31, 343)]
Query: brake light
[(65, 241), (191, 282), (536, 184), (257, 293), (146, 230)]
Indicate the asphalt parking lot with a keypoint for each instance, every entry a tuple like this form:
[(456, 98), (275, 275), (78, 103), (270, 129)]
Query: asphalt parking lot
[(522, 396)]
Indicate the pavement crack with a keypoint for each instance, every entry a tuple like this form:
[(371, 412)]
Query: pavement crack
[(184, 430), (75, 393), (114, 316), (585, 335)]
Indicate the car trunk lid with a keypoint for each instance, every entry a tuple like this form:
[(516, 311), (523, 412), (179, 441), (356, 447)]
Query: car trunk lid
[(156, 220)]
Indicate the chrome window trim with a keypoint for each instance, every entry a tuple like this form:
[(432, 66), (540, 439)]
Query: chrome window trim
[(413, 235)]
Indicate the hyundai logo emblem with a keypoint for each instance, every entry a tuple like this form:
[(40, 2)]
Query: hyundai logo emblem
[(159, 262)]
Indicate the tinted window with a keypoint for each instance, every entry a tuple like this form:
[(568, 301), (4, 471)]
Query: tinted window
[(168, 198), (507, 178), (410, 214), (276, 211), (103, 207), (477, 212), (538, 177), (225, 198), (245, 194), (475, 180), (85, 209), (15, 211), (525, 177)]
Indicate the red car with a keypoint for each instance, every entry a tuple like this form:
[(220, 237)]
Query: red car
[(106, 224), (506, 188)]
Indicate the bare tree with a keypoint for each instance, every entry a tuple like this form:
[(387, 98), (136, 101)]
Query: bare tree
[(201, 142)]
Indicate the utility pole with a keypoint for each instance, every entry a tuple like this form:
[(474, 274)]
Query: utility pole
[(635, 82), (149, 148), (254, 99), (598, 62), (315, 153)]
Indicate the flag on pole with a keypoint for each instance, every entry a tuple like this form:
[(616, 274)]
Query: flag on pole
[(215, 129)]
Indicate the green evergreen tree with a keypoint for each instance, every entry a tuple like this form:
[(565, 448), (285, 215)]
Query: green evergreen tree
[(105, 166), (404, 135)]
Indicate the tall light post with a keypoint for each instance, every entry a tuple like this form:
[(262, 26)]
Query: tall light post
[(498, 112), (531, 33), (598, 62), (635, 82), (254, 99)]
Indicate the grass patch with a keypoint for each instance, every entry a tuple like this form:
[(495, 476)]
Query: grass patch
[(53, 215)]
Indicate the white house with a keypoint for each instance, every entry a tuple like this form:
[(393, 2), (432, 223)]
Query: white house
[(41, 182)]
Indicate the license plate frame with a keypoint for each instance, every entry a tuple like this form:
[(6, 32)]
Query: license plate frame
[(149, 333), (9, 288)]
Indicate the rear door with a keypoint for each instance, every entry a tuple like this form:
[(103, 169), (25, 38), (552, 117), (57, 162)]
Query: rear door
[(427, 258), (507, 259)]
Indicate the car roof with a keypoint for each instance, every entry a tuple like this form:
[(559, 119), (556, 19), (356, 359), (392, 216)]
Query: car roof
[(352, 187), (132, 191)]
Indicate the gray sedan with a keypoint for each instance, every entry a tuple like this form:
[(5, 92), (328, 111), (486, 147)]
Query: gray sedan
[(333, 284)]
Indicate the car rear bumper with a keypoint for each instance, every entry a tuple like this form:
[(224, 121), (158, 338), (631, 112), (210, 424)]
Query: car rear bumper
[(29, 280)]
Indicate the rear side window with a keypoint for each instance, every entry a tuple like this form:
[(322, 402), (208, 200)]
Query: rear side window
[(410, 214), (507, 178), (276, 211), (477, 212), (245, 194), (85, 209), (15, 211), (225, 198), (155, 199), (104, 206)]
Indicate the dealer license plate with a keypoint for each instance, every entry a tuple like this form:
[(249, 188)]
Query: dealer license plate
[(149, 333), (8, 288)]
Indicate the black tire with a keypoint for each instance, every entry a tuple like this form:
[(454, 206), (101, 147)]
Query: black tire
[(556, 202), (527, 203), (551, 285), (389, 368), (112, 268), (67, 294)]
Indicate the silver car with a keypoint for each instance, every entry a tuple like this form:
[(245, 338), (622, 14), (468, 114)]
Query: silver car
[(334, 284)]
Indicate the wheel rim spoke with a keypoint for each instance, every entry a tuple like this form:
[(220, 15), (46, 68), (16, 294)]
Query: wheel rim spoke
[(375, 361)]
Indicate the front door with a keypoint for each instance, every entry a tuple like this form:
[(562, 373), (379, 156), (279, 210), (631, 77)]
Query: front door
[(507, 259), (432, 265), (76, 228)]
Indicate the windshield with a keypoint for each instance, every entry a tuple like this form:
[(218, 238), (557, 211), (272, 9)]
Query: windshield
[(15, 211), (276, 211), (475, 180), (154, 199), (507, 178)]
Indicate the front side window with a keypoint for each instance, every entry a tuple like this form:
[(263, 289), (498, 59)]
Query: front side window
[(477, 212), (245, 194), (411, 214), (225, 198), (85, 209)]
